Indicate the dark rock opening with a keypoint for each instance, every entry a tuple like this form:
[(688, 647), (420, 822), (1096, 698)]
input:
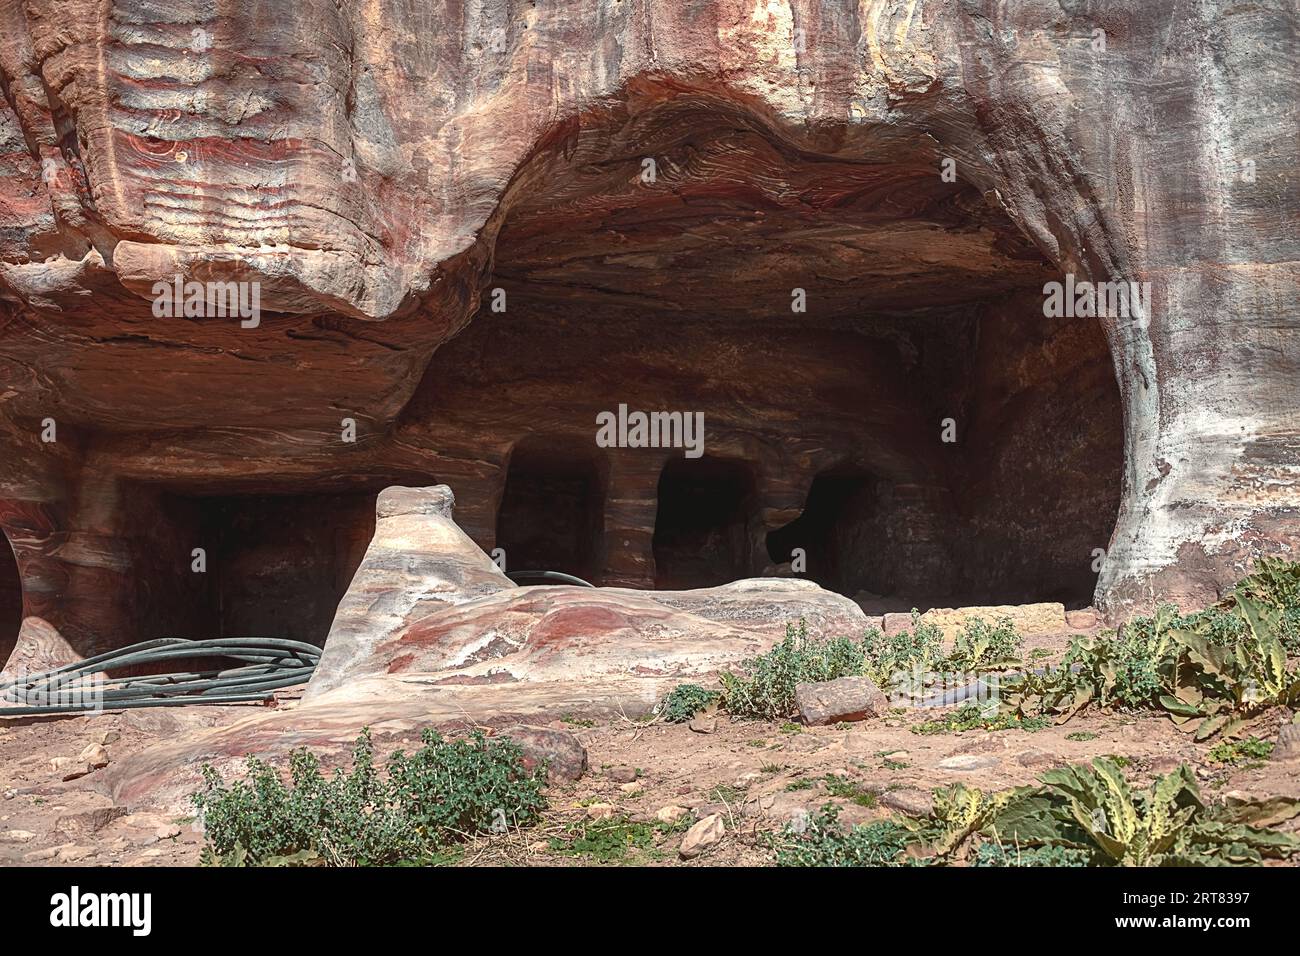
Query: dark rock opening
[(276, 565), (11, 600), (701, 534), (826, 318), (551, 516)]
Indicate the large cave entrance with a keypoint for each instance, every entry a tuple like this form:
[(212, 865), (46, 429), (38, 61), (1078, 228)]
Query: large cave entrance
[(551, 516), (701, 535), (271, 565), (864, 338), (11, 600)]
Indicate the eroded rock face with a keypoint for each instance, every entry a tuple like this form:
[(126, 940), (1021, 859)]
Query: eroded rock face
[(377, 174), (430, 634)]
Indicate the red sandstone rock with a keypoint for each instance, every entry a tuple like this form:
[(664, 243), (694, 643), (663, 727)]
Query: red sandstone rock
[(380, 173), (844, 699), (563, 755)]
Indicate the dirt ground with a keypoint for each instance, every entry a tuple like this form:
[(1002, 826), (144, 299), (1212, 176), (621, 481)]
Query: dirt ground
[(757, 775)]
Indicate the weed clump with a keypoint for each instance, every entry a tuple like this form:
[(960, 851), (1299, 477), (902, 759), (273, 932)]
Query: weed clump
[(441, 794)]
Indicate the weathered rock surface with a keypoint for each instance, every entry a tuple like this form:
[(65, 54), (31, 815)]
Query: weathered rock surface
[(380, 173), (702, 835), (844, 699), (563, 755), (431, 634)]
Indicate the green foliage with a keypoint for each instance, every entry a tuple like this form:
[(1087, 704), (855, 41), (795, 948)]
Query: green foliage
[(972, 716), (820, 841), (1241, 751), (917, 651), (685, 701), (1194, 668), (1092, 808), (765, 686), (1275, 584), (1001, 854), (981, 646), (605, 841), (847, 789), (442, 793)]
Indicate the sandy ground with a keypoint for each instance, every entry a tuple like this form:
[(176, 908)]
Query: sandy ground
[(758, 775)]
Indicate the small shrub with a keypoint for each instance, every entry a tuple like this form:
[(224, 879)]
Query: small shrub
[(998, 854), (847, 789), (442, 793), (819, 841), (1241, 751), (971, 716), (685, 701), (981, 646), (605, 841), (765, 686)]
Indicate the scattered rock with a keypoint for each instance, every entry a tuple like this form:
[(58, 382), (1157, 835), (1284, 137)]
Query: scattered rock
[(915, 803), (73, 854), (600, 811), (1288, 743), (704, 724), (1084, 619), (564, 755), (69, 768), (631, 788), (621, 774), (88, 821), (708, 832), (153, 721), (1036, 758), (671, 814), (845, 699), (107, 737), (95, 756), (967, 762)]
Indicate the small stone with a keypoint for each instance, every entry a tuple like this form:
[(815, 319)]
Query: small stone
[(69, 768), (671, 814), (966, 762), (704, 724), (600, 811), (1084, 619), (563, 754), (621, 774), (153, 721), (845, 699), (89, 821), (1036, 758), (106, 737), (915, 803), (95, 756), (630, 788), (1288, 743), (708, 832)]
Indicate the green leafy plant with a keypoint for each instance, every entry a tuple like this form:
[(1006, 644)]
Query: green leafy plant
[(846, 789), (605, 841), (442, 793), (972, 716), (1001, 854), (981, 646), (820, 841), (1093, 808), (1241, 751), (765, 686), (685, 701), (1219, 678), (917, 651)]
